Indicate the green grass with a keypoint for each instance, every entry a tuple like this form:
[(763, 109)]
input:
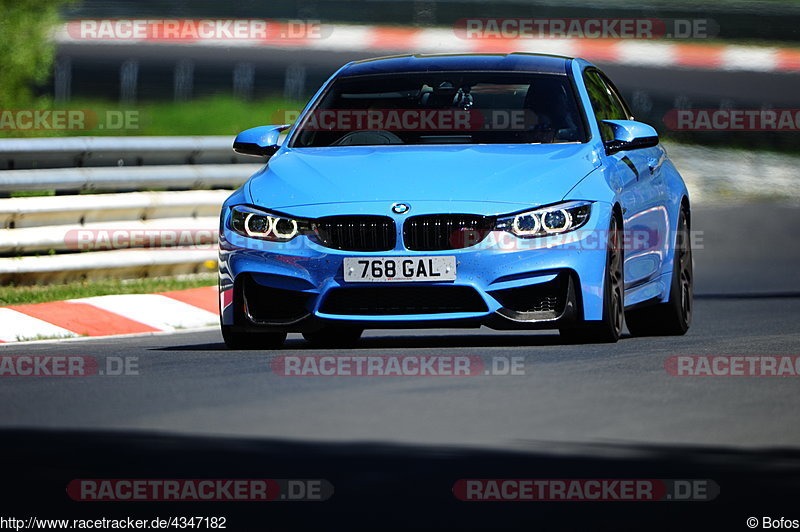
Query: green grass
[(32, 193), (218, 115), (23, 295), (225, 115)]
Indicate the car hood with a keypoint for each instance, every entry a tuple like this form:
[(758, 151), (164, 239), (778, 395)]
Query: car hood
[(494, 175)]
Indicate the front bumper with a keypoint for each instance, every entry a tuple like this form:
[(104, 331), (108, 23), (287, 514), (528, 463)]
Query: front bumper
[(504, 283)]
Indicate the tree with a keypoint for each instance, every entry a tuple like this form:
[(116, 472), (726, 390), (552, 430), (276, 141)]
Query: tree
[(27, 49)]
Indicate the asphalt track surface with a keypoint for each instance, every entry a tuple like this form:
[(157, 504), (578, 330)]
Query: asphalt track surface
[(583, 411)]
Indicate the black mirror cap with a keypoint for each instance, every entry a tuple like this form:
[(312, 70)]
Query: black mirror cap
[(613, 146), (248, 148)]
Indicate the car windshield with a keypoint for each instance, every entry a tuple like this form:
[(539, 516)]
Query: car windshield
[(444, 108)]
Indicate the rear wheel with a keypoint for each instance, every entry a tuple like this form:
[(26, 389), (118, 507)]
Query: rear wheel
[(609, 329), (331, 336), (673, 317)]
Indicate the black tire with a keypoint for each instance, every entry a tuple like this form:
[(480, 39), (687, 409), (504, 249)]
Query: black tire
[(247, 340), (609, 329), (251, 340), (674, 317), (331, 336)]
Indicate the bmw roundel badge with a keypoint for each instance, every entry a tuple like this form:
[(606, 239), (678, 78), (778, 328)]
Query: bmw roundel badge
[(400, 208)]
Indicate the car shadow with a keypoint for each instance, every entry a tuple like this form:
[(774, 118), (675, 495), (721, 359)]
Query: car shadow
[(401, 486), (422, 341)]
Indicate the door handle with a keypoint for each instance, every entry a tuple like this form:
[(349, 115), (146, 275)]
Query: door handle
[(652, 163)]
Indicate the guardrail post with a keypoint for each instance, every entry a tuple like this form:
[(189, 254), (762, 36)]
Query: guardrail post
[(128, 81), (62, 80), (184, 80), (243, 80), (295, 82)]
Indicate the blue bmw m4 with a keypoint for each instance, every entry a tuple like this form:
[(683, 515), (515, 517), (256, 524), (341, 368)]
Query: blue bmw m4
[(513, 191)]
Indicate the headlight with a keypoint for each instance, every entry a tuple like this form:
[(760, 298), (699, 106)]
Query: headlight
[(544, 221), (254, 223)]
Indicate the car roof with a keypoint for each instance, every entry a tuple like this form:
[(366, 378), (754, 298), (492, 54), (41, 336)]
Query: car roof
[(512, 62)]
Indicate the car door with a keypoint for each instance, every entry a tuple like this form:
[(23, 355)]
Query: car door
[(637, 174)]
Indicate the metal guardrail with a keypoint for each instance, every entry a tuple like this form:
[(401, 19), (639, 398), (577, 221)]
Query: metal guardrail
[(66, 152), (127, 177), (120, 263), (89, 208), (130, 232)]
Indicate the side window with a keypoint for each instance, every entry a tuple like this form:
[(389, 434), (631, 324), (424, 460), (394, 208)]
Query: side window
[(605, 103), (617, 97)]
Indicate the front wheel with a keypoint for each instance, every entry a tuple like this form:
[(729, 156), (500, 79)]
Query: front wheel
[(673, 317), (609, 329)]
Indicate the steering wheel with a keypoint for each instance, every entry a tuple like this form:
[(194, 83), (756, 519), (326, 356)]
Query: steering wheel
[(367, 138)]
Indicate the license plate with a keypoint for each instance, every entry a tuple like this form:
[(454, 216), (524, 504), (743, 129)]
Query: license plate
[(377, 269)]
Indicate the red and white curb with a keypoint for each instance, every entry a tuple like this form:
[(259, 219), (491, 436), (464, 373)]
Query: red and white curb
[(111, 315), (388, 39)]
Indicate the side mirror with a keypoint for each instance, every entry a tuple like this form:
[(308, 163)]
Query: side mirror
[(630, 135), (259, 141)]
